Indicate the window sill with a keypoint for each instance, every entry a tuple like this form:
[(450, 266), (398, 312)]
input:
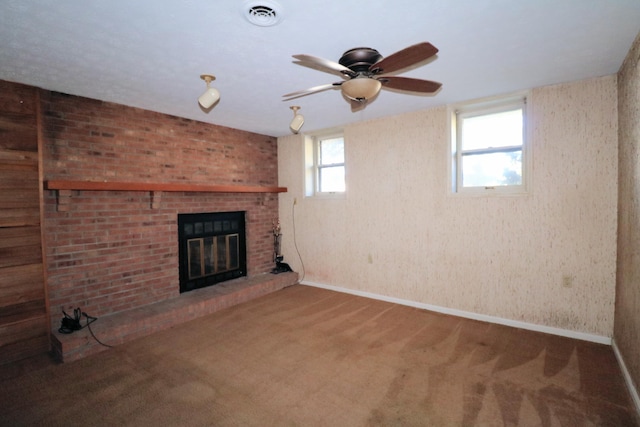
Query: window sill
[(494, 192)]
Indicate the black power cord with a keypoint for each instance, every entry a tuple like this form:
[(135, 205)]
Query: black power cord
[(70, 324), (295, 243)]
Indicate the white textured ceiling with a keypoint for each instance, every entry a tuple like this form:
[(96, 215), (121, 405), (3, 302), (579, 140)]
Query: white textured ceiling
[(150, 53)]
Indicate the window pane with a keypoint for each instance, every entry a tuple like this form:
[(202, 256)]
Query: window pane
[(490, 170), (331, 151), (492, 130), (331, 179)]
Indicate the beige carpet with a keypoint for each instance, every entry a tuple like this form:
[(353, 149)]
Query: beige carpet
[(310, 357)]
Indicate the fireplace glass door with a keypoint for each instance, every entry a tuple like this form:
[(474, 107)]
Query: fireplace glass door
[(212, 248), (214, 254)]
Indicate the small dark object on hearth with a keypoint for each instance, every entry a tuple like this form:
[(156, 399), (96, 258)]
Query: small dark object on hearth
[(281, 267)]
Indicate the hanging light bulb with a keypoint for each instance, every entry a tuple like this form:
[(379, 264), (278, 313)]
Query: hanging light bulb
[(211, 96), (298, 120)]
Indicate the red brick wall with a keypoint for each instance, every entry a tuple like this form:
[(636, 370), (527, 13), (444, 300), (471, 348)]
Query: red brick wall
[(109, 250)]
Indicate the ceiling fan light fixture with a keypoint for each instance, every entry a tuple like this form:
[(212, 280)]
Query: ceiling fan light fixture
[(211, 95), (361, 88), (366, 71)]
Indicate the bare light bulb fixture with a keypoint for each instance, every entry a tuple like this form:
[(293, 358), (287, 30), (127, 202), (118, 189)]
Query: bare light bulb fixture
[(211, 96), (298, 120)]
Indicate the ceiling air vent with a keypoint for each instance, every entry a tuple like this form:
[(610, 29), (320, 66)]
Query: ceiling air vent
[(263, 13)]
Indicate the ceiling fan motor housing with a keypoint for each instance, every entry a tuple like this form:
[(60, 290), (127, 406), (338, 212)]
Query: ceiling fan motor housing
[(360, 59)]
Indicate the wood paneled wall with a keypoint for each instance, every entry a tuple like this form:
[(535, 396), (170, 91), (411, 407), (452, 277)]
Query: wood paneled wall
[(23, 307)]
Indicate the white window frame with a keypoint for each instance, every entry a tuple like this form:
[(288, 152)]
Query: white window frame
[(312, 164), (485, 107)]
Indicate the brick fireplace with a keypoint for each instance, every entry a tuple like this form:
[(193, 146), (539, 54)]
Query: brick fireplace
[(113, 251)]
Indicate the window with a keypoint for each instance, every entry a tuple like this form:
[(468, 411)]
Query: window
[(325, 166), (489, 147)]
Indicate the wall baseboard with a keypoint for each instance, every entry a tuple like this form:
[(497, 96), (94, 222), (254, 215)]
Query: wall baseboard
[(469, 315), (633, 390)]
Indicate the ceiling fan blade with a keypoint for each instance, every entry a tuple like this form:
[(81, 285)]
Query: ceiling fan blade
[(322, 63), (404, 58), (309, 91), (409, 84)]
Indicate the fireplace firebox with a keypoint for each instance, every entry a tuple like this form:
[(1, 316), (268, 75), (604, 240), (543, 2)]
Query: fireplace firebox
[(212, 248)]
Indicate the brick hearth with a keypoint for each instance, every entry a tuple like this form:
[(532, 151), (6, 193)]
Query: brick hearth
[(125, 326)]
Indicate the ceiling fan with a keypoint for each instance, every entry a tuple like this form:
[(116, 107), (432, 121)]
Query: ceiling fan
[(366, 71)]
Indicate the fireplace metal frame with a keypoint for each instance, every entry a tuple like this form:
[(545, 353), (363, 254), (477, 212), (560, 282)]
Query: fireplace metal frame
[(220, 227)]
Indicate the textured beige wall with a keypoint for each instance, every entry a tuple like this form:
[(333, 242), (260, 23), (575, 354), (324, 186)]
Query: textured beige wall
[(400, 233), (627, 319)]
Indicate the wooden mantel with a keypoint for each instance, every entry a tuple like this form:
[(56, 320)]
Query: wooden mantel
[(64, 188), (61, 184)]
